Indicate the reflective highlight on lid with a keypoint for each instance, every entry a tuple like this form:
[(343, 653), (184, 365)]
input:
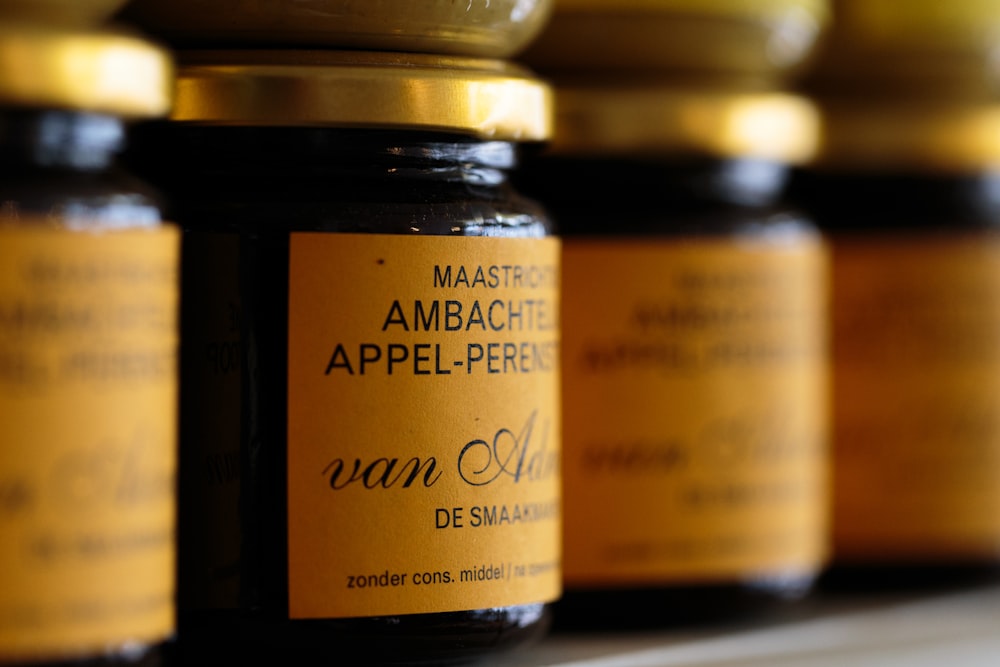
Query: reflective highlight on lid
[(486, 98), (941, 137), (88, 71), (654, 121)]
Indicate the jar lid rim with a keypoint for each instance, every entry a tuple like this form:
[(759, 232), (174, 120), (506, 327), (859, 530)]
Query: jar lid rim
[(100, 71), (934, 137), (487, 98), (632, 120)]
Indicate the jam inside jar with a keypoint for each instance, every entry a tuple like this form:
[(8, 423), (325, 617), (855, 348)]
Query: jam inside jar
[(435, 284)]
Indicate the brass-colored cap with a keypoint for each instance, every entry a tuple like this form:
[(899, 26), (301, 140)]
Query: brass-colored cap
[(636, 121), (771, 40), (102, 72), (82, 13), (933, 137), (491, 99), (481, 28)]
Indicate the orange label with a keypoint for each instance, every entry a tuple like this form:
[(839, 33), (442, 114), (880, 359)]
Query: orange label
[(87, 459), (423, 424), (695, 409), (916, 389)]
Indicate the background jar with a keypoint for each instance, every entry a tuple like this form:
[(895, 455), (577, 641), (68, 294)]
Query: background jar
[(882, 48), (494, 29), (88, 392), (760, 44), (694, 359), (86, 13), (904, 187), (297, 150), (906, 193)]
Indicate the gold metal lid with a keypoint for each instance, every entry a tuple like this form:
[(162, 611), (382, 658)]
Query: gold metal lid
[(483, 28), (490, 99), (105, 72), (59, 12), (769, 39), (657, 121), (932, 137)]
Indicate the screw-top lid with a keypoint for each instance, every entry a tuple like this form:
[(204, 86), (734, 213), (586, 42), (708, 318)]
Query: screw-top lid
[(935, 137), (80, 13), (106, 72), (485, 28), (490, 99), (662, 121), (766, 41)]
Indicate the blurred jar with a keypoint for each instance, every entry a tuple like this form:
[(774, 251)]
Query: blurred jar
[(66, 13), (890, 48), (88, 296), (381, 394), (905, 187), (694, 329), (728, 42), (908, 192), (492, 28)]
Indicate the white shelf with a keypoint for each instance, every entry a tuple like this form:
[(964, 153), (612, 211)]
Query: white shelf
[(948, 629)]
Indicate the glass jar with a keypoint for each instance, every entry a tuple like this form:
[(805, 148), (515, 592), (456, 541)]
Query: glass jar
[(908, 195), (88, 343), (731, 41), (694, 365), (390, 401), (495, 29), (79, 13), (883, 47)]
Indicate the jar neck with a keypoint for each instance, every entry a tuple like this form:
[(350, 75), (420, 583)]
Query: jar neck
[(681, 184), (242, 156), (58, 140), (900, 199)]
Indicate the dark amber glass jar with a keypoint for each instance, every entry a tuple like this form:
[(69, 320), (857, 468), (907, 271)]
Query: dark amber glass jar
[(379, 198), (694, 363), (60, 165), (88, 343), (907, 195)]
